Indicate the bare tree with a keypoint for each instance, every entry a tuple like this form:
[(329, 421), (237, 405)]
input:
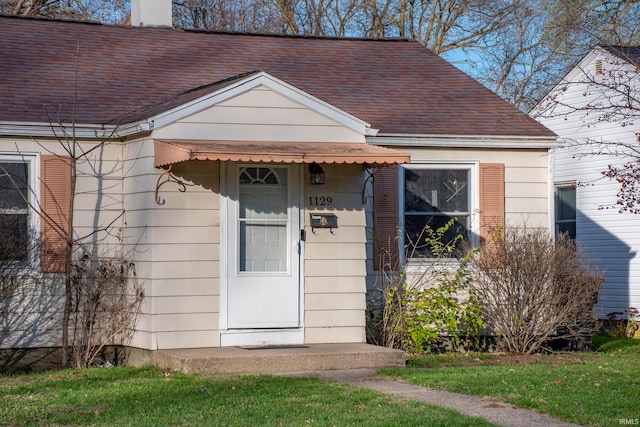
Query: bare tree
[(328, 17), (230, 15), (441, 25), (30, 7), (112, 11), (519, 60), (101, 297), (64, 242), (543, 39), (604, 93)]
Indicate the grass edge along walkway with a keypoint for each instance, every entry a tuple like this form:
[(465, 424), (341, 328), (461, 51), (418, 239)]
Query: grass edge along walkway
[(491, 410), (150, 397), (600, 388)]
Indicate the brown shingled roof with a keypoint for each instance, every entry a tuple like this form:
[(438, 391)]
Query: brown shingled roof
[(628, 53), (124, 72)]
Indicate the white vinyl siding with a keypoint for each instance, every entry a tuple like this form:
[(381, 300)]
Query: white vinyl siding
[(611, 239)]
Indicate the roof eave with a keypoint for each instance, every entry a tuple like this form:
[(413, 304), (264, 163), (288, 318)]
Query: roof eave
[(464, 141), (79, 130)]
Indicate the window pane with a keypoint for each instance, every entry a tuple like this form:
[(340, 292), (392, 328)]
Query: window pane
[(14, 237), (436, 190), (11, 193), (263, 219), (267, 196), (416, 235), (263, 247), (566, 211), (565, 203), (14, 219)]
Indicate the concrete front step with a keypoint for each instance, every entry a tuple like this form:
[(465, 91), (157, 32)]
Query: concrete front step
[(271, 359)]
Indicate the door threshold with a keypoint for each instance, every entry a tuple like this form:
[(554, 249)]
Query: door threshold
[(273, 347), (261, 337)]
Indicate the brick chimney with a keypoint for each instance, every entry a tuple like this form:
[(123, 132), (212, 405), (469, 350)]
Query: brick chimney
[(151, 13)]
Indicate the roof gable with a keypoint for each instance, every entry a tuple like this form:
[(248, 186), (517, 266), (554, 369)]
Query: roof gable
[(237, 87), (594, 76), (105, 74)]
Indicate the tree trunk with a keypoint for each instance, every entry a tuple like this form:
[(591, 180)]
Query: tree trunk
[(68, 300), (68, 259)]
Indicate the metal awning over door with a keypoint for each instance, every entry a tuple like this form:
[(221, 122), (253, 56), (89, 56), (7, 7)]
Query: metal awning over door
[(172, 151)]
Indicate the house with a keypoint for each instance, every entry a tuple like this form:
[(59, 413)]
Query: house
[(589, 111), (239, 167)]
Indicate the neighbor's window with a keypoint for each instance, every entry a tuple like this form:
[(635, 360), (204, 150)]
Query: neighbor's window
[(432, 197), (566, 210), (14, 210)]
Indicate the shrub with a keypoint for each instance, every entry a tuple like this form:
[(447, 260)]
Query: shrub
[(430, 306), (106, 302), (534, 288), (627, 327)]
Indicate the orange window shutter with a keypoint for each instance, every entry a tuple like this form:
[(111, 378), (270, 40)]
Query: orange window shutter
[(55, 199), (385, 219), (491, 198)]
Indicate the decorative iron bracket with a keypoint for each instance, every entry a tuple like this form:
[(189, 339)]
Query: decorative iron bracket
[(167, 177), (371, 172)]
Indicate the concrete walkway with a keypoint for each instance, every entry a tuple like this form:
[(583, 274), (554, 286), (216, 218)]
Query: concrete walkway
[(491, 409)]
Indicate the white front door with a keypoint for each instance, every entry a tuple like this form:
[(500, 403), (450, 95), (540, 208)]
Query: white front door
[(263, 234)]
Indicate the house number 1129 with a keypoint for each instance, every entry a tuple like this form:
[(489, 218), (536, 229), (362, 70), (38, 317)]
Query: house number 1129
[(320, 200)]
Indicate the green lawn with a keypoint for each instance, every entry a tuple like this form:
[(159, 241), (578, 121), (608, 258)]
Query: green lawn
[(600, 388), (147, 397)]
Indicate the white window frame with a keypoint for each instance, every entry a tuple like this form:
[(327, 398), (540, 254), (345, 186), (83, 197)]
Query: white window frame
[(474, 198), (556, 221), (33, 191)]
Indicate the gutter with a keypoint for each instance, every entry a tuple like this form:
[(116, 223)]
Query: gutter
[(464, 141), (83, 131)]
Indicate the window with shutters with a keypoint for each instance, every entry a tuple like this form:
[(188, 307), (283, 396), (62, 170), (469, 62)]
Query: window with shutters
[(433, 195), (16, 220)]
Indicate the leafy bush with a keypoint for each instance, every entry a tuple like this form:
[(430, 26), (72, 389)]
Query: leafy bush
[(430, 306)]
